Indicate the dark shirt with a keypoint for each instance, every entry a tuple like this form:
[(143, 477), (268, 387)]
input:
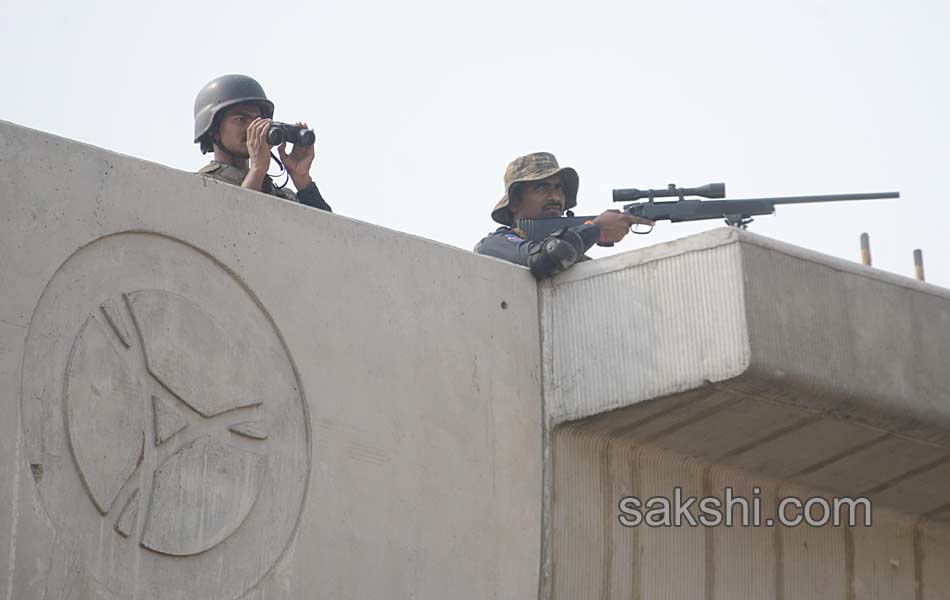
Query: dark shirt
[(511, 244), (309, 195)]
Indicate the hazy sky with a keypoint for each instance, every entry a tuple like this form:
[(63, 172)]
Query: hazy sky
[(419, 105)]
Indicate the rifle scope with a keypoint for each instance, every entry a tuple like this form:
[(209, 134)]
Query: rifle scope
[(710, 190)]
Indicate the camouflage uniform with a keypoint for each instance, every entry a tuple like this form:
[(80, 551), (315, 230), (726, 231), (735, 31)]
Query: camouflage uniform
[(309, 196), (559, 251)]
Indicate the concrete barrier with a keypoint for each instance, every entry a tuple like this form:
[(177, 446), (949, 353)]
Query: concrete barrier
[(212, 393), (728, 360), (207, 392)]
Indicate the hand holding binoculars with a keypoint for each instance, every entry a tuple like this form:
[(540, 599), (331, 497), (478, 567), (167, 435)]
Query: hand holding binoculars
[(285, 132)]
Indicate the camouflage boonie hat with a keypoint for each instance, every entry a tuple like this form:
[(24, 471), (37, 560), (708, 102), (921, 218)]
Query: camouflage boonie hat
[(533, 167)]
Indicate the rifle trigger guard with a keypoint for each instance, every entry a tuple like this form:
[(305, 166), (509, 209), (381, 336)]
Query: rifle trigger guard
[(636, 231)]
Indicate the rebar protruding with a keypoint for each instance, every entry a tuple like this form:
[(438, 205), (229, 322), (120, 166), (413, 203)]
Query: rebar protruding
[(919, 264), (865, 249)]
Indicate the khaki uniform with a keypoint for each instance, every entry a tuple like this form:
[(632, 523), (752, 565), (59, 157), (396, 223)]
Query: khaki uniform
[(309, 196)]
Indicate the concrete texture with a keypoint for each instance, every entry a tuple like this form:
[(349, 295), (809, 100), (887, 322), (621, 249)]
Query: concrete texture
[(730, 360), (211, 393)]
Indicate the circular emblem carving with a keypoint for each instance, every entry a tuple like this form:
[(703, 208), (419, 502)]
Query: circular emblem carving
[(164, 422)]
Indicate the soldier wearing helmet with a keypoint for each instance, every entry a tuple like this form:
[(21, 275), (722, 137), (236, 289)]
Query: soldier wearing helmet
[(535, 188), (232, 117)]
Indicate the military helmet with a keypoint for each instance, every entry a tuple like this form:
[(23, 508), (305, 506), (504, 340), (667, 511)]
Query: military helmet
[(219, 94), (534, 167)]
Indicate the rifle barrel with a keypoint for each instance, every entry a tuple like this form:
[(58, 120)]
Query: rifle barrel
[(678, 211), (826, 198)]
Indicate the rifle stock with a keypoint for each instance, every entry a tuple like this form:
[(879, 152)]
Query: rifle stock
[(538, 229)]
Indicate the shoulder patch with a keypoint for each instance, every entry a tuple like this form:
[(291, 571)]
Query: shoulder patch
[(512, 234)]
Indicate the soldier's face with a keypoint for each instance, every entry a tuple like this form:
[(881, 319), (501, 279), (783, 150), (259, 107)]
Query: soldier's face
[(542, 199), (232, 129)]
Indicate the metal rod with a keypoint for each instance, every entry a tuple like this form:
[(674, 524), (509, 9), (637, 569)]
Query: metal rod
[(831, 198), (865, 249), (919, 264)]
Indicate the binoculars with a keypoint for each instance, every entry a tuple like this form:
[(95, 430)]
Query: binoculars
[(284, 132)]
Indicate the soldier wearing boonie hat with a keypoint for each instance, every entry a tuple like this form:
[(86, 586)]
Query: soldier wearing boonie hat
[(537, 187)]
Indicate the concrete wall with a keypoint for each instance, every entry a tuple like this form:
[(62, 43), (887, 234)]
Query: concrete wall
[(210, 393), (207, 392), (730, 360)]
